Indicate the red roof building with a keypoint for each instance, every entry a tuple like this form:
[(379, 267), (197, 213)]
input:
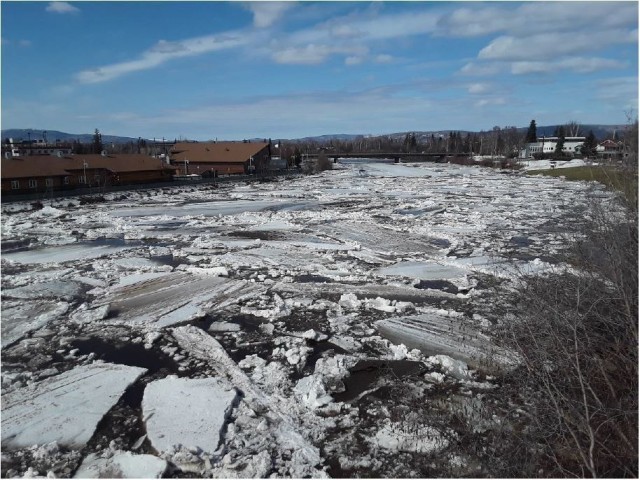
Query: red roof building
[(220, 158), (41, 173)]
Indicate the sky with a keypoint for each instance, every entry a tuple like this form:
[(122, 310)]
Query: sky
[(234, 70)]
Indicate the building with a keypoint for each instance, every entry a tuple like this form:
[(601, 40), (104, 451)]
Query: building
[(25, 148), (547, 146), (43, 173), (610, 149), (220, 158)]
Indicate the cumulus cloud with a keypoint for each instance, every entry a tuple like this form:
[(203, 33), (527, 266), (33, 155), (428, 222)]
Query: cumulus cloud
[(266, 14), (61, 7)]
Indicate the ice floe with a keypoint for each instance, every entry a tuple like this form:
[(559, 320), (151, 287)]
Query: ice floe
[(65, 408), (190, 413)]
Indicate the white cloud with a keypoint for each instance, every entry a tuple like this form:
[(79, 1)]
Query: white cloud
[(539, 16), (550, 46), (621, 92), (478, 88), (481, 69), (491, 101), (353, 60), (161, 53), (61, 7), (384, 58), (267, 13), (313, 54), (576, 64)]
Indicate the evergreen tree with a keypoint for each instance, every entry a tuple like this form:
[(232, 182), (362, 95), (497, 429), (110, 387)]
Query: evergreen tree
[(532, 133), (97, 142), (559, 152), (588, 148)]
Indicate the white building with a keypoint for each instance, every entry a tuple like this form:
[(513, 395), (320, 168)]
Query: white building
[(547, 146)]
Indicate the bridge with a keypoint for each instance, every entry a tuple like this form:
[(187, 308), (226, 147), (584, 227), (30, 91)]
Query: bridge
[(395, 156)]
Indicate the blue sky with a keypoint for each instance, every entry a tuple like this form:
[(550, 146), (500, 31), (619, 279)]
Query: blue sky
[(234, 70)]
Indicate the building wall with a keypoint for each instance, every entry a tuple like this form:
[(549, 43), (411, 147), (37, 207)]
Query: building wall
[(95, 178), (124, 178), (548, 146), (206, 168), (42, 184)]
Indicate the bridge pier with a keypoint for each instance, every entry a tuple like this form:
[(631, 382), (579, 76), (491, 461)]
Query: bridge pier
[(335, 159), (396, 159)]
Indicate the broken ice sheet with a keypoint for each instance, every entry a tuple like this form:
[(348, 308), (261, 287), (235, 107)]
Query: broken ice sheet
[(187, 412), (19, 317), (174, 298), (65, 408)]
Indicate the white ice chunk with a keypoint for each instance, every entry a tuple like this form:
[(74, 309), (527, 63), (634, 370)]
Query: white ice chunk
[(222, 326), (187, 412), (65, 408), (409, 438), (456, 368), (121, 465)]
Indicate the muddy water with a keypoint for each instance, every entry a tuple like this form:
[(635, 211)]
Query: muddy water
[(366, 373)]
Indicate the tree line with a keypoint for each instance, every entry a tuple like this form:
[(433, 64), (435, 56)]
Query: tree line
[(498, 142)]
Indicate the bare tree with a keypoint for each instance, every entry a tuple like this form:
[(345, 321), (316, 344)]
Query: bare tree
[(572, 129)]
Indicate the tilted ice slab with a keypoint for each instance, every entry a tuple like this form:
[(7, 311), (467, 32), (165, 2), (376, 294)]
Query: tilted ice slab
[(436, 334), (187, 412), (19, 318), (174, 298), (67, 253), (121, 465), (51, 289), (208, 209), (321, 290), (431, 270), (65, 408), (376, 238)]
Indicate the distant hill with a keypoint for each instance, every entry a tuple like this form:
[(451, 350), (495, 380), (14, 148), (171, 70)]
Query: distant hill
[(601, 132), (52, 135)]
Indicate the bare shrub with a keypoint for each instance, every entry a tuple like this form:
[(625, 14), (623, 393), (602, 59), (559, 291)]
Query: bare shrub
[(323, 163), (577, 335)]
